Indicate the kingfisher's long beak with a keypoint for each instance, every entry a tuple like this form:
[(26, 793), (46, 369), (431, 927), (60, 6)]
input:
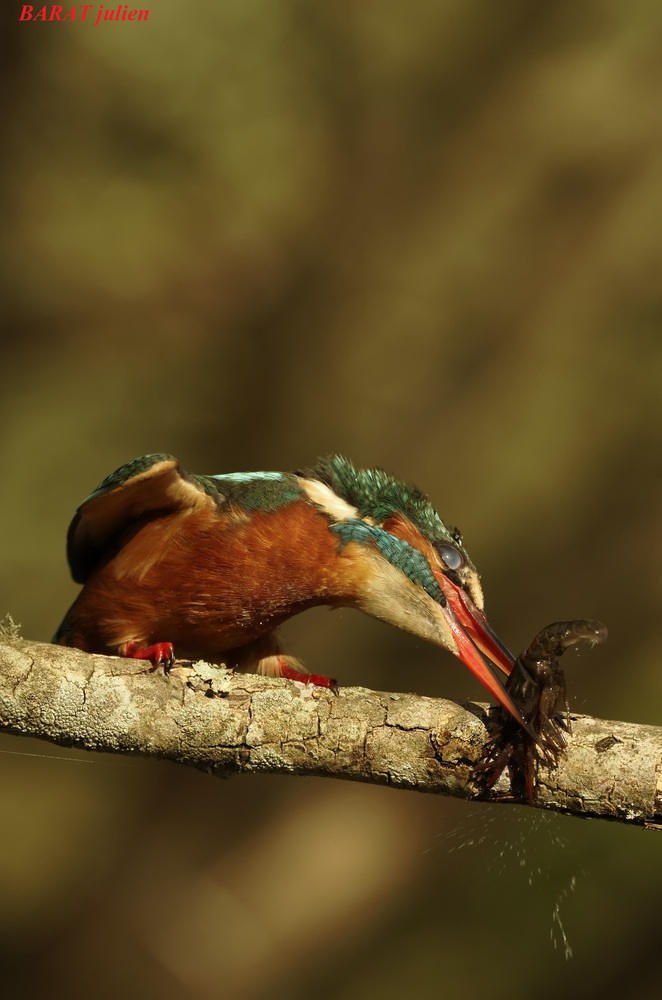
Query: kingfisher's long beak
[(479, 647)]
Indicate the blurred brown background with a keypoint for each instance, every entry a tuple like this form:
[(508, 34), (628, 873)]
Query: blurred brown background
[(426, 235)]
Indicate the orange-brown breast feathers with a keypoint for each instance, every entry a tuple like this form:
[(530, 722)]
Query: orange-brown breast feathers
[(209, 580)]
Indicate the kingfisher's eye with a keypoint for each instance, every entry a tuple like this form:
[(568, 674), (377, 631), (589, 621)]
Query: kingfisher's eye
[(451, 557)]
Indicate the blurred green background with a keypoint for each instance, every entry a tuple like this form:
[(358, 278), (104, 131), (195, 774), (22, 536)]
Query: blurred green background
[(427, 235)]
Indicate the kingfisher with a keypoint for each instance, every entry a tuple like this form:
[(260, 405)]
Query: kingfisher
[(210, 566)]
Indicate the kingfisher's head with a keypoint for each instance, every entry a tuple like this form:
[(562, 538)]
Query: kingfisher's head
[(407, 567)]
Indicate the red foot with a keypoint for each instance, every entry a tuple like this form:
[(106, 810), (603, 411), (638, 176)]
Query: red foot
[(160, 652), (317, 679)]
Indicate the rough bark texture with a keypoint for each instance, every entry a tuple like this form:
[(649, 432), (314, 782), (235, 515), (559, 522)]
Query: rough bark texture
[(228, 723)]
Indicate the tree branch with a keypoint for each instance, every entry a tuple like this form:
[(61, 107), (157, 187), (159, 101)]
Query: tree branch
[(226, 723)]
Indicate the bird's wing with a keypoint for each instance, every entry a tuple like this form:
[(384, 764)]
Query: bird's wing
[(146, 487)]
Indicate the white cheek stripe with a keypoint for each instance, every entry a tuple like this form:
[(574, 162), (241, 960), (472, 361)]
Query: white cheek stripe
[(330, 502)]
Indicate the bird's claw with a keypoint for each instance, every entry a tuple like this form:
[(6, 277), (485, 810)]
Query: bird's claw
[(159, 654), (319, 680)]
